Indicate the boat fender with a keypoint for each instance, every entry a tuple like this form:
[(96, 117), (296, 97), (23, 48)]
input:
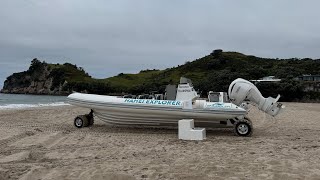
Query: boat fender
[(187, 104), (200, 104)]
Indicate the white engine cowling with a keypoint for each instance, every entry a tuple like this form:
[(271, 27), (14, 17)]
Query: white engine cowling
[(241, 90)]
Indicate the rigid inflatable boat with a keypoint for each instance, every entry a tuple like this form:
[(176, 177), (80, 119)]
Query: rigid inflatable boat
[(184, 104)]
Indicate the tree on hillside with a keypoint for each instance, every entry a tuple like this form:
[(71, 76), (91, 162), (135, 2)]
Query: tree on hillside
[(35, 64), (216, 53)]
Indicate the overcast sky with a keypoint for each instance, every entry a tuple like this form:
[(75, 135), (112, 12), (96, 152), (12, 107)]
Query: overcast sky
[(110, 37)]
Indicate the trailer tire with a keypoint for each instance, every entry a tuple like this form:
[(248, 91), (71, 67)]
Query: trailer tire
[(81, 121), (91, 120), (243, 127)]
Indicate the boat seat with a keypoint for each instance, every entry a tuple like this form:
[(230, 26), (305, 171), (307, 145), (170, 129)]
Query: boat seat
[(187, 131)]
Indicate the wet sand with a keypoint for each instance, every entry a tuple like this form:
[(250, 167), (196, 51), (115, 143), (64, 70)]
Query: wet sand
[(42, 143)]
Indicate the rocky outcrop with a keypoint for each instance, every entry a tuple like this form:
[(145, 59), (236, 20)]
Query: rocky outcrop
[(36, 80), (35, 87)]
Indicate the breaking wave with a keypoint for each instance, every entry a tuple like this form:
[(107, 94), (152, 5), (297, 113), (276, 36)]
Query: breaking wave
[(26, 106)]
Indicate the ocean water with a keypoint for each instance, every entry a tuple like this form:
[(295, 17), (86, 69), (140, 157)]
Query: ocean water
[(22, 101)]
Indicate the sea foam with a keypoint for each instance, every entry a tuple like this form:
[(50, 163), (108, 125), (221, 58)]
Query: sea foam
[(26, 106)]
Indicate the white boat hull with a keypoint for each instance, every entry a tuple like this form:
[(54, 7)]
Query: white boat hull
[(121, 111)]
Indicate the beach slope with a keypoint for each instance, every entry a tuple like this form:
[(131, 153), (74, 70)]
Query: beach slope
[(42, 143)]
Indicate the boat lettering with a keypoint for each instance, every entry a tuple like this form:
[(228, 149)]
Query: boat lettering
[(218, 105), (183, 86), (150, 101), (140, 101), (184, 90)]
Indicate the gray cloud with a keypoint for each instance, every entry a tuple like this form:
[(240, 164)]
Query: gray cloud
[(109, 37)]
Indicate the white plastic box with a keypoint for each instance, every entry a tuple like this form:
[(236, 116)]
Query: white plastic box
[(188, 132)]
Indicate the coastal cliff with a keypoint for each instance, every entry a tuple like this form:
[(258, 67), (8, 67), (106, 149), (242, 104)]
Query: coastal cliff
[(42, 78)]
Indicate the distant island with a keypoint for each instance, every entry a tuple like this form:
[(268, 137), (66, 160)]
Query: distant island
[(213, 72)]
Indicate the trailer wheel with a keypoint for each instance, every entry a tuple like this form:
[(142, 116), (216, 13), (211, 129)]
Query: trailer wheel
[(91, 120), (81, 121), (243, 127)]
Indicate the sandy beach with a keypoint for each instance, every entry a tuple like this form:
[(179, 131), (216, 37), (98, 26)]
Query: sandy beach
[(42, 143)]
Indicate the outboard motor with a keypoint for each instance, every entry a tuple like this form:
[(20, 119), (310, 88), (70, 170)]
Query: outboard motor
[(241, 90)]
